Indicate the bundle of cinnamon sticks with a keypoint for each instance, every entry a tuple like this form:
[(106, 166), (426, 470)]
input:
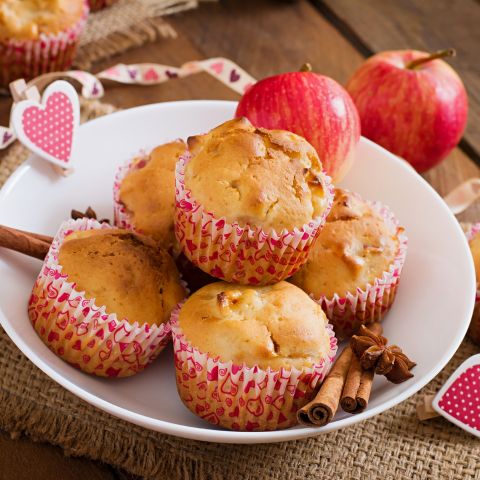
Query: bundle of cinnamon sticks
[(347, 385)]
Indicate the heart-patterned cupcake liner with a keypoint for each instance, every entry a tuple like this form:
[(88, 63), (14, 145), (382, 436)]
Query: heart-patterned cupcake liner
[(236, 253), (238, 397), (83, 333), (121, 216), (370, 304), (49, 53), (474, 329)]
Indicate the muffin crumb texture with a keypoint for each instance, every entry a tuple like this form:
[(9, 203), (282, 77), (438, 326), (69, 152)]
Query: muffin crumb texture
[(28, 19), (264, 178), (273, 326), (126, 272), (355, 247), (148, 192)]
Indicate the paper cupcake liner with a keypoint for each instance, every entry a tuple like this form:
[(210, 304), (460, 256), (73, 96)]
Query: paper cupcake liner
[(474, 329), (82, 333), (121, 216), (96, 5), (49, 53), (240, 254), (368, 305), (238, 397)]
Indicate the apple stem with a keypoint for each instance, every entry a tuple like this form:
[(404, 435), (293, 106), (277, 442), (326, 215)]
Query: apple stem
[(449, 52), (306, 67)]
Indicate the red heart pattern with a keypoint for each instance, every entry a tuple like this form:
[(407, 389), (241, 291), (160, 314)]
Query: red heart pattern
[(76, 330), (346, 314), (239, 254), (238, 397)]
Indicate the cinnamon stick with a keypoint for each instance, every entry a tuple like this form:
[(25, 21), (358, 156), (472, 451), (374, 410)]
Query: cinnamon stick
[(358, 384), (34, 245), (323, 407)]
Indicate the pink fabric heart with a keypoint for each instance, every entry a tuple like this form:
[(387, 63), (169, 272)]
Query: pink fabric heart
[(50, 128)]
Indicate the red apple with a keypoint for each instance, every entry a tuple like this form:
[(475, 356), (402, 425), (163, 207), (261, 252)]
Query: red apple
[(412, 103), (311, 105)]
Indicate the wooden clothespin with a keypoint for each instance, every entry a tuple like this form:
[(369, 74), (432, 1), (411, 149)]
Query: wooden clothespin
[(47, 124)]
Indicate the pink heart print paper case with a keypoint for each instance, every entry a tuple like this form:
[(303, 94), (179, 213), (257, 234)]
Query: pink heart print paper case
[(238, 397), (81, 332)]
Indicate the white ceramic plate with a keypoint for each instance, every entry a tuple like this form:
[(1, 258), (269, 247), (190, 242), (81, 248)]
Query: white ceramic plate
[(429, 318)]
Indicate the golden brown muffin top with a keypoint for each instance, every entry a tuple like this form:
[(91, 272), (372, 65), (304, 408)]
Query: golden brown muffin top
[(274, 326), (27, 19), (475, 249), (354, 248), (267, 178), (124, 271), (148, 192)]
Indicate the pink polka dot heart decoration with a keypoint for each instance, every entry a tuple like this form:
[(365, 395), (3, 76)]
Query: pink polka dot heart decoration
[(48, 128), (459, 399)]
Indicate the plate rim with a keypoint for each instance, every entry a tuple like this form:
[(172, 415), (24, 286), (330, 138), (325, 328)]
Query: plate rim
[(227, 436)]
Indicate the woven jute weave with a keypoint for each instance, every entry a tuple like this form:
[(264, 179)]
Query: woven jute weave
[(391, 446), (126, 24)]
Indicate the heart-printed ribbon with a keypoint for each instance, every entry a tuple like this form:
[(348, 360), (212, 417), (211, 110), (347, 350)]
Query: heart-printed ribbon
[(48, 128), (459, 399)]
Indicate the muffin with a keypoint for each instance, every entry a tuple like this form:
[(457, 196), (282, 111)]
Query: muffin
[(96, 5), (246, 357), (249, 202), (473, 237), (103, 298), (38, 36), (144, 193), (354, 268)]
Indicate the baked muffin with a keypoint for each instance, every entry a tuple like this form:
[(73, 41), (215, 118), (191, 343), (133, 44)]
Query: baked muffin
[(473, 237), (145, 193), (249, 202), (103, 298), (38, 36), (247, 358), (354, 268)]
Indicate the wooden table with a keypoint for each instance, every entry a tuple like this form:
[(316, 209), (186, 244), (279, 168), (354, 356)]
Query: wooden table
[(267, 37)]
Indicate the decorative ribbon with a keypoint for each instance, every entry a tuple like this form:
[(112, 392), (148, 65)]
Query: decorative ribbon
[(223, 69), (461, 197)]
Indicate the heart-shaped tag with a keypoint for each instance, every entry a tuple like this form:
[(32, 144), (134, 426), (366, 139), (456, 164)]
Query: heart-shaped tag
[(48, 128), (459, 399)]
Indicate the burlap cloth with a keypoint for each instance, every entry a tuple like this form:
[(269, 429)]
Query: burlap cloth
[(391, 446)]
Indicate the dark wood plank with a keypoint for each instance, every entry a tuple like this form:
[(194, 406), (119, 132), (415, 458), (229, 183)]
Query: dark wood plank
[(376, 25), (23, 459)]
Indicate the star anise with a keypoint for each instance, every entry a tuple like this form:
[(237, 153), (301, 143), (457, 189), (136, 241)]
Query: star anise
[(89, 213), (374, 353)]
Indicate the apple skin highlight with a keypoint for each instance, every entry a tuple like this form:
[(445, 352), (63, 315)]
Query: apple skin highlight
[(311, 105), (417, 113)]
